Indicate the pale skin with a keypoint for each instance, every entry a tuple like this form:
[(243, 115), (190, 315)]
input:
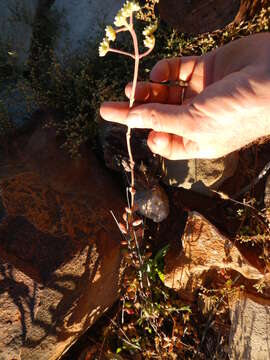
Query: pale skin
[(226, 106)]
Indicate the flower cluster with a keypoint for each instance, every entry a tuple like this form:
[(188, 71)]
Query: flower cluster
[(121, 20), (104, 47), (148, 32), (110, 33), (126, 11)]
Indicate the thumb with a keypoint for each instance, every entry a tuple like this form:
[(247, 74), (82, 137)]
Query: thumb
[(171, 146)]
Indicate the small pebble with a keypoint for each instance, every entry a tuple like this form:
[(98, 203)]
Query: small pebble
[(153, 203), (137, 222)]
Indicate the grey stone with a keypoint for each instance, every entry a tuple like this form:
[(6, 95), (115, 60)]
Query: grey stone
[(153, 203), (83, 21), (76, 23), (16, 21), (250, 329), (200, 175), (14, 101)]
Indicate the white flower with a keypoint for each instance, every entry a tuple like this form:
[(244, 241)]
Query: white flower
[(149, 41), (12, 53), (110, 33), (125, 12), (129, 7), (150, 29), (120, 19), (104, 47)]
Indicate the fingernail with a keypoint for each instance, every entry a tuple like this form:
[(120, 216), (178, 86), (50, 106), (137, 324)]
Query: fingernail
[(134, 120), (160, 141), (104, 110)]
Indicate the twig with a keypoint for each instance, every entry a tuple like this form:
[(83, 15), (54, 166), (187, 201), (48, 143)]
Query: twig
[(126, 340), (210, 319), (254, 182)]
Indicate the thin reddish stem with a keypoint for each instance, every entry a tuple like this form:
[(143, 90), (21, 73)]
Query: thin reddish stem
[(121, 29), (137, 61), (131, 102), (136, 58), (146, 53), (121, 52)]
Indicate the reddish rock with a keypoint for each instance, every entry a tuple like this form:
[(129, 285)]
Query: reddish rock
[(59, 250), (205, 249), (200, 16)]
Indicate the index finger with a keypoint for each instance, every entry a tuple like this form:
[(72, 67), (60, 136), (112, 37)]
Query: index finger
[(174, 69), (115, 111), (190, 69)]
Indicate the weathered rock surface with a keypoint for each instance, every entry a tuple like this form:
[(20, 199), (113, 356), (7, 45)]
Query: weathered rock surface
[(151, 199), (14, 101), (200, 175), (113, 142), (267, 197), (59, 250), (93, 16), (199, 16), (250, 328), (153, 203), (16, 19), (72, 23), (204, 249)]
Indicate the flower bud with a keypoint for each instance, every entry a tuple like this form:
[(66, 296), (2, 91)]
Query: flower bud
[(149, 41), (104, 47), (110, 33)]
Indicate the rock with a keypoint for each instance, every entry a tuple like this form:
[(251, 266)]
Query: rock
[(113, 142), (59, 250), (250, 328), (16, 19), (83, 21), (267, 197), (153, 203), (15, 104), (71, 24), (151, 199), (200, 175), (204, 249), (200, 16)]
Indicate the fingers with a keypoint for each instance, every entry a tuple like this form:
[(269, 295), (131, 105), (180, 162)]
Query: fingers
[(155, 93), (180, 120), (166, 70), (161, 141), (172, 147), (174, 69), (191, 69), (115, 111)]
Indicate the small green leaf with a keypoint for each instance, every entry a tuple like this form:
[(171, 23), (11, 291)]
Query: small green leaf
[(118, 350), (186, 308)]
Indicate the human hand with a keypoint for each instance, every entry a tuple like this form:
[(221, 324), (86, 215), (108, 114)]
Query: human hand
[(226, 106)]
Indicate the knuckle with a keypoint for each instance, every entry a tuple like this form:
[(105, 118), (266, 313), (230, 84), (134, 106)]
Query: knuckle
[(154, 119)]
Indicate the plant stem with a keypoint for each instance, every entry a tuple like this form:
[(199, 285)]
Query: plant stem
[(136, 65), (122, 52), (124, 28), (131, 102), (145, 53)]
